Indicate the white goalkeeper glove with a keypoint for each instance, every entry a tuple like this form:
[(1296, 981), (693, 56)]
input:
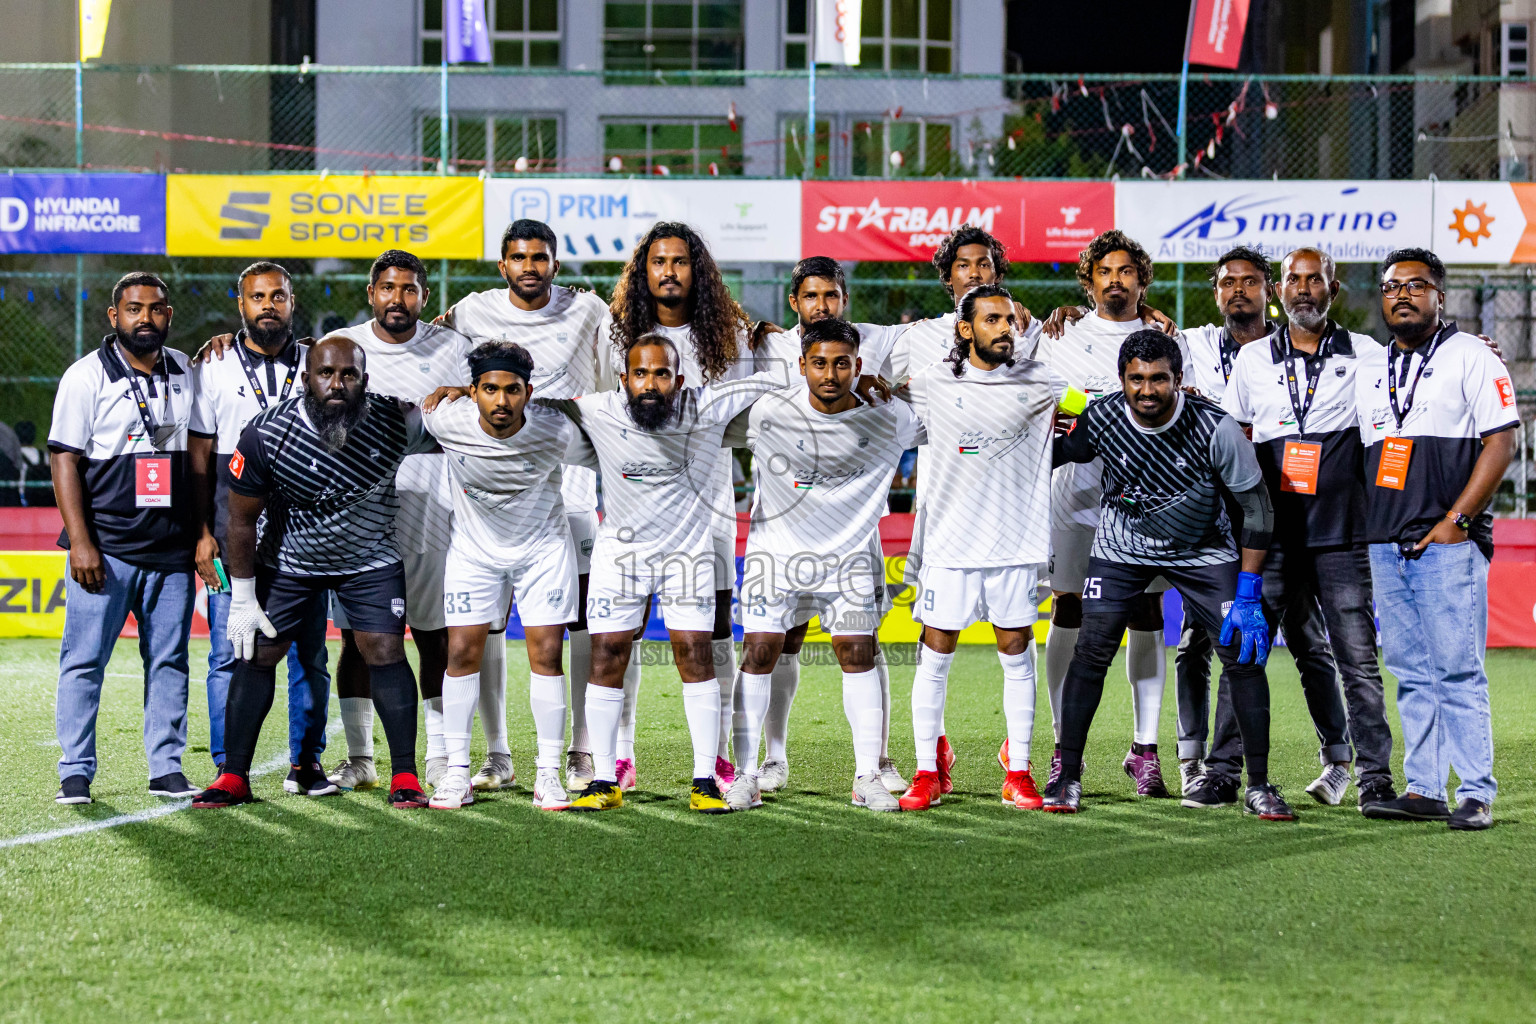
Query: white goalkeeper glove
[(245, 617)]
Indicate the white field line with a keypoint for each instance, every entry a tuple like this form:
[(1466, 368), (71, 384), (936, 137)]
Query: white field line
[(279, 760)]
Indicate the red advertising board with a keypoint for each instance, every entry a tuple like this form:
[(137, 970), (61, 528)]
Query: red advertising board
[(1039, 221)]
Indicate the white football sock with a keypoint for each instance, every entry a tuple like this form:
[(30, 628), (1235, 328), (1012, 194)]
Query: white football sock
[(883, 669), (458, 716), (626, 747), (581, 671), (1146, 667), (861, 704), (604, 704), (357, 722), (1019, 704), (701, 705), (929, 684), (546, 698), (432, 711), (493, 694), (753, 692), (724, 652), (786, 680), (1059, 645)]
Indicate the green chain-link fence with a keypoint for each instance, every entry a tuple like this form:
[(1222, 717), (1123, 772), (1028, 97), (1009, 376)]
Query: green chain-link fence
[(281, 118)]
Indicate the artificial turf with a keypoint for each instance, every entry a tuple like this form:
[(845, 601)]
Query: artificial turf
[(807, 909)]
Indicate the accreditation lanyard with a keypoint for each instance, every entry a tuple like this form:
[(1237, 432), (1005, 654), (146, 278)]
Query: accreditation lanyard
[(250, 375), (1399, 414), (1229, 347), (156, 434), (1313, 368)]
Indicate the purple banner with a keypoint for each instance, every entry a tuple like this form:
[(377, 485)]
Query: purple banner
[(466, 38), (58, 213)]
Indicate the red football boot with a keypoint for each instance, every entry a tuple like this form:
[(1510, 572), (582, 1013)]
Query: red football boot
[(1019, 791), (946, 755), (923, 793)]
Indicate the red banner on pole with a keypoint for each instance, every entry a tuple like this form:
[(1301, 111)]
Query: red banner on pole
[(1217, 38), (1039, 221)]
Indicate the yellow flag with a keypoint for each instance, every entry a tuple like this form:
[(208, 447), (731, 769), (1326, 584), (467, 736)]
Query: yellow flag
[(93, 27)]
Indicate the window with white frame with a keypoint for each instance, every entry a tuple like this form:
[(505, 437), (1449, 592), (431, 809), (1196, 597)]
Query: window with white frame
[(524, 33), (680, 35), (672, 146), (895, 35), (888, 147), (499, 143)]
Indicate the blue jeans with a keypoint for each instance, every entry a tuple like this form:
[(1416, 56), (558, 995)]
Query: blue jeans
[(161, 601), (1434, 628), (309, 685)]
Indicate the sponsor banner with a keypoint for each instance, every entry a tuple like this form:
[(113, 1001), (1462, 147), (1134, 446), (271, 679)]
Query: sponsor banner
[(1196, 221), (32, 593), (603, 218), (1042, 222), (1485, 222), (1216, 35), (56, 213), (313, 215)]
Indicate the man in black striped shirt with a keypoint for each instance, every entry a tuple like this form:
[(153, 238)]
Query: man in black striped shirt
[(321, 465), (1167, 459)]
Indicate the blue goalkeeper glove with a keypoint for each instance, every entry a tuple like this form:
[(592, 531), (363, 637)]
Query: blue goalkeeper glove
[(1246, 617)]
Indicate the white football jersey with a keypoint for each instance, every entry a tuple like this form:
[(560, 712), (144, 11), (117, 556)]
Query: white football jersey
[(434, 357), (1087, 355), (921, 344), (822, 481), (988, 463), (657, 498), (1211, 357), (506, 493), (564, 338)]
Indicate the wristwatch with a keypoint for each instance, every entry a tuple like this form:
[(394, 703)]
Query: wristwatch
[(1461, 519)]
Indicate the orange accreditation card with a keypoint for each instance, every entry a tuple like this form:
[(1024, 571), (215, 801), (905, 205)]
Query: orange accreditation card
[(1298, 467), (1393, 471)]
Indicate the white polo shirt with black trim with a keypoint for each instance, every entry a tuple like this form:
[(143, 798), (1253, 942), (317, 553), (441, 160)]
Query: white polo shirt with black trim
[(1464, 394), (228, 402), (1212, 357), (1331, 511), (96, 416)]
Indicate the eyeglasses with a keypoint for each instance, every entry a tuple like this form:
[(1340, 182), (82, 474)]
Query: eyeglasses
[(1416, 286)]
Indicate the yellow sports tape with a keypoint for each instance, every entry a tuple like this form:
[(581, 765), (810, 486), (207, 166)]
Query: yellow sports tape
[(353, 215), (1074, 402), (32, 593)]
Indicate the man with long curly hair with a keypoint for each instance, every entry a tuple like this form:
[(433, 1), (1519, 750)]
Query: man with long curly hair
[(671, 287), (1114, 272)]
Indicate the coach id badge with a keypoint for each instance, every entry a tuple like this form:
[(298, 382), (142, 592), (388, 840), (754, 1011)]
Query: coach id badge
[(1396, 452), (152, 481), (1299, 466)]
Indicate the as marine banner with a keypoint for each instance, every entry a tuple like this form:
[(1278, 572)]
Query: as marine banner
[(322, 215)]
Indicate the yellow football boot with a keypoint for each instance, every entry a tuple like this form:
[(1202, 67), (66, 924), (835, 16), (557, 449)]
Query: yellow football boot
[(705, 798), (599, 796)]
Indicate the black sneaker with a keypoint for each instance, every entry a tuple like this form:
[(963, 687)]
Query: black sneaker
[(1471, 816), (310, 781), (1377, 791), (1407, 807), (1266, 802), (174, 784), (1063, 796), (291, 783), (1211, 791), (74, 790)]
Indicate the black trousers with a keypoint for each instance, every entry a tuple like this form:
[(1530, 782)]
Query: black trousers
[(1109, 590)]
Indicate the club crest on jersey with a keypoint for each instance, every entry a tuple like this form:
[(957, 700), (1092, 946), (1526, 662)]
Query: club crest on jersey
[(397, 607), (1338, 371), (863, 442), (1179, 462), (556, 595), (1429, 371), (424, 367)]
